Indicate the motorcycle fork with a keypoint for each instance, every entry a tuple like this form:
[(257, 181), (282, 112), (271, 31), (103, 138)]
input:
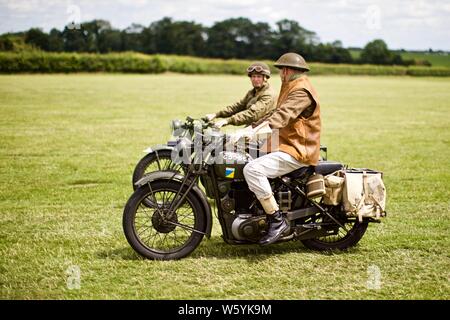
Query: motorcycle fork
[(176, 203)]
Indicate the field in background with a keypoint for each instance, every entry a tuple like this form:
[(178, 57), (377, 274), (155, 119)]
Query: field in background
[(70, 143), (436, 59)]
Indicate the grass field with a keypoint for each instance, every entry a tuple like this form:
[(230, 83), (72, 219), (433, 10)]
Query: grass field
[(436, 59), (69, 144)]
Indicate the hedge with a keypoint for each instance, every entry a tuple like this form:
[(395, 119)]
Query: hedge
[(44, 62)]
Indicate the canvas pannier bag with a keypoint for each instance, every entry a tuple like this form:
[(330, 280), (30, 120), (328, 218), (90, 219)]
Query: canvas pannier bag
[(334, 186), (364, 194)]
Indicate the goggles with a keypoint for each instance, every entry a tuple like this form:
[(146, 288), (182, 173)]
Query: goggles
[(255, 68)]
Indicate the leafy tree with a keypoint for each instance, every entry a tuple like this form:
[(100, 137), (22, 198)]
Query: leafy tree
[(149, 40), (261, 39), (181, 37), (290, 36), (162, 33), (188, 38), (133, 38), (110, 41), (37, 38), (97, 35), (221, 41), (377, 52), (331, 53), (74, 40), (231, 38), (55, 41), (6, 44)]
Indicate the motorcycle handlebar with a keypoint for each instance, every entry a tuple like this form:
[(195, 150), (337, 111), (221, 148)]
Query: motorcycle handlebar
[(205, 123)]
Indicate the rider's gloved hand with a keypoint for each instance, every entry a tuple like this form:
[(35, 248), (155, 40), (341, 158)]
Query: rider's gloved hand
[(209, 116), (247, 133), (219, 124)]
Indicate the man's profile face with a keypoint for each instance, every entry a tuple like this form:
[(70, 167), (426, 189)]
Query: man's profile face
[(285, 73), (257, 80)]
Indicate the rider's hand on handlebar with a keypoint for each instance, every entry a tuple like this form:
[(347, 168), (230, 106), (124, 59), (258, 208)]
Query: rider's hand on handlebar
[(219, 124), (209, 117), (246, 133)]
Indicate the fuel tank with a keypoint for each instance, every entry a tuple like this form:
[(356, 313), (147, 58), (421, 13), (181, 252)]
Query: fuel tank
[(230, 165)]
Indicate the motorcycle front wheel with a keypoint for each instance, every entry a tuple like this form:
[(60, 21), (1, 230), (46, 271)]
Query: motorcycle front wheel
[(153, 231), (159, 160)]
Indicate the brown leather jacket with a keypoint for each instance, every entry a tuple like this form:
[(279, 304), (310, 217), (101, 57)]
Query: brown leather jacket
[(297, 117)]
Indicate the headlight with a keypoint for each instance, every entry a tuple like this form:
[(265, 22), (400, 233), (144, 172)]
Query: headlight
[(176, 128)]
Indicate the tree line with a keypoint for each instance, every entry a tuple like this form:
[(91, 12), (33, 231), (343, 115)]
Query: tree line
[(235, 38)]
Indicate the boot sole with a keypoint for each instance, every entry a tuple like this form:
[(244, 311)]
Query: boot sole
[(276, 239)]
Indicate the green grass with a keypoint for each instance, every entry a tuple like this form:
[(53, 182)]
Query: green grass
[(436, 59), (69, 144)]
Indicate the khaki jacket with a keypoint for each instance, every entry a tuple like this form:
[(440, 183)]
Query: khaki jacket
[(297, 117), (255, 105)]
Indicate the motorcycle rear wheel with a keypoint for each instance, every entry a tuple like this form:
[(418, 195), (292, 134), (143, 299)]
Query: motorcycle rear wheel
[(342, 240), (154, 236)]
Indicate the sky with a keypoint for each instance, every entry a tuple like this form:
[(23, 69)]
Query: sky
[(403, 24)]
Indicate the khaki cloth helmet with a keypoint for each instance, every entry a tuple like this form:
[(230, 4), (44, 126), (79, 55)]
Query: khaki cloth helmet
[(292, 60), (259, 68)]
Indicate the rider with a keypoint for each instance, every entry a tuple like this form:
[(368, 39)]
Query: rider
[(296, 120), (256, 104)]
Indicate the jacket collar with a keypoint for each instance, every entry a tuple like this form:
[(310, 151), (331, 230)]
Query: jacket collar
[(263, 87), (295, 76)]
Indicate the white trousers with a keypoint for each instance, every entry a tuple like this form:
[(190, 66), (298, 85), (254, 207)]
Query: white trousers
[(272, 165)]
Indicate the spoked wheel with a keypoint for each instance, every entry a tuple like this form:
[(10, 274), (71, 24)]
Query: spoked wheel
[(338, 238), (154, 231), (159, 160)]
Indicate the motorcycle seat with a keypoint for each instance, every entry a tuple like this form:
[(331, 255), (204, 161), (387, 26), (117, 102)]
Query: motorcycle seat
[(301, 173), (328, 167), (323, 168)]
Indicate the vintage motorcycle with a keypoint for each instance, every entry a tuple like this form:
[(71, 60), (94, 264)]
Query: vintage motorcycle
[(158, 158), (168, 214)]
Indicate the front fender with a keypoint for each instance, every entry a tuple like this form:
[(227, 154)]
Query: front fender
[(170, 175), (169, 146)]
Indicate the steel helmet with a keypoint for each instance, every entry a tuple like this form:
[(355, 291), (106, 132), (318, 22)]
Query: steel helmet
[(292, 60), (260, 68)]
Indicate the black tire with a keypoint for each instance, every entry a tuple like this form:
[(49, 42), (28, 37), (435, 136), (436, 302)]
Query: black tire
[(154, 161), (341, 241), (175, 248)]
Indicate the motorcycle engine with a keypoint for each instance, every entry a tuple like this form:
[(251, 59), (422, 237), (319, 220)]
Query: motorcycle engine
[(245, 219), (248, 227)]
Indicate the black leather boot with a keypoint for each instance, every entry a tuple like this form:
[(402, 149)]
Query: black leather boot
[(277, 226)]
